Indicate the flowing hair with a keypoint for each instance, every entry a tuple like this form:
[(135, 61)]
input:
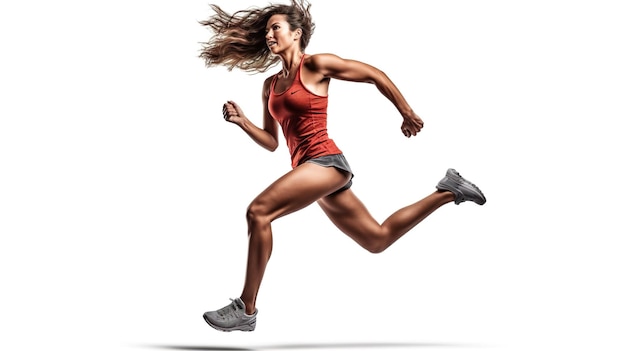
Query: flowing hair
[(239, 39)]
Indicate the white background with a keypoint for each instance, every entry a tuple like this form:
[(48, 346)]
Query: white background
[(123, 191)]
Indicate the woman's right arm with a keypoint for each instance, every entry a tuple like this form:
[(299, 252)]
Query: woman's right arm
[(266, 137)]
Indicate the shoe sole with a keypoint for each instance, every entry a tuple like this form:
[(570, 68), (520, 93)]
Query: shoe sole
[(245, 328)]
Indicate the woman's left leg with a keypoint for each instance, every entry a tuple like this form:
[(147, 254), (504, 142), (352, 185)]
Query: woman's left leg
[(292, 192)]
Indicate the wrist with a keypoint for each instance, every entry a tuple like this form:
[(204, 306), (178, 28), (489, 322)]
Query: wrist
[(407, 113)]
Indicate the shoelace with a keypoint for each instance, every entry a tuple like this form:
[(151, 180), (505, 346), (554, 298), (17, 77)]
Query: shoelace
[(229, 311)]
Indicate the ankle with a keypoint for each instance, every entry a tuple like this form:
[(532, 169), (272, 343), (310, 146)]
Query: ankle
[(248, 307), (448, 195)]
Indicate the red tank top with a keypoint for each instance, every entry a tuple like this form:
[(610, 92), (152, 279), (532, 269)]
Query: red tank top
[(302, 117)]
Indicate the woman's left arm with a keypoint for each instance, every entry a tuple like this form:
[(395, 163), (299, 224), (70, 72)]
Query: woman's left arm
[(333, 66)]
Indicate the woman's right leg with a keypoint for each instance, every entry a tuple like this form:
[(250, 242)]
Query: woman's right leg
[(349, 214)]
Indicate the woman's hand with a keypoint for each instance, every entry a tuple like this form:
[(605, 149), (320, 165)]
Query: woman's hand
[(412, 125), (233, 113), (266, 137)]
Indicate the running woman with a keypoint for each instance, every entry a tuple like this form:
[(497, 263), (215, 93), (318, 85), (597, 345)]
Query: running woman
[(296, 99)]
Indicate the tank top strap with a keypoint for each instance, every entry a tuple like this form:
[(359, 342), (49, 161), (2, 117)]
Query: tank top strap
[(273, 83), (297, 78)]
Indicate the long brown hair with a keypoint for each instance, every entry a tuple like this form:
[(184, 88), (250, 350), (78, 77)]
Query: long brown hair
[(239, 39)]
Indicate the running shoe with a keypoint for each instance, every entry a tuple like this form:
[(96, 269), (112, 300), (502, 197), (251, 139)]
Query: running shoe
[(231, 317), (461, 188)]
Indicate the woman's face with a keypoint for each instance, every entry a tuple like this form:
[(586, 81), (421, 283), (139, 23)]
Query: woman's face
[(278, 36)]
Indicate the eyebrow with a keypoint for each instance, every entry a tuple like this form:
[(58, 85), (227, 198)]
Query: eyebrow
[(270, 25)]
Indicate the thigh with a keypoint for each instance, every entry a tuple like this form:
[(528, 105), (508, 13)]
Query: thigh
[(350, 215), (297, 189)]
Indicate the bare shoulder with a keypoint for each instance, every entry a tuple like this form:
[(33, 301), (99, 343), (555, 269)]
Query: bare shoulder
[(319, 62), (268, 81), (267, 84)]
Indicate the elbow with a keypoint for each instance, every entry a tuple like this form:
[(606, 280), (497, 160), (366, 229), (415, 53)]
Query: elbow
[(379, 77), (272, 146)]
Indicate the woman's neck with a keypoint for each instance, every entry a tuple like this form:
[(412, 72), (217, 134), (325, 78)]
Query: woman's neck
[(291, 62)]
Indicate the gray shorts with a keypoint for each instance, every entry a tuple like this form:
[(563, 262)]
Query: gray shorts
[(338, 161)]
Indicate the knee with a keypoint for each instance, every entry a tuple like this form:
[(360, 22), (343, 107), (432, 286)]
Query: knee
[(257, 214)]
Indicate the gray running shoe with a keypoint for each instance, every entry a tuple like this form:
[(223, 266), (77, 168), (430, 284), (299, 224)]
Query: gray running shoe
[(232, 317), (461, 188)]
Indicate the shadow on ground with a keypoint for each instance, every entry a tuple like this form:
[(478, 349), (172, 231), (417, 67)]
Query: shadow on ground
[(354, 346)]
